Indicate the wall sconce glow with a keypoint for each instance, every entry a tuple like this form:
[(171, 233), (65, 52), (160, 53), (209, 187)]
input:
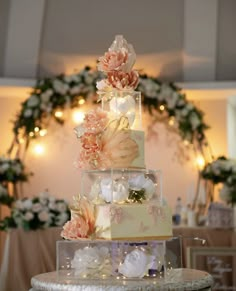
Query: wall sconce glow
[(58, 114), (200, 162), (43, 132), (162, 107), (38, 149), (81, 101), (78, 117)]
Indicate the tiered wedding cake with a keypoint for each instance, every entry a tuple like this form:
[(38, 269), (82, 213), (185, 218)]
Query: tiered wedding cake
[(120, 206)]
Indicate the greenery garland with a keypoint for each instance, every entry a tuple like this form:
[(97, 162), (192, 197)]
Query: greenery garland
[(61, 92), (164, 101)]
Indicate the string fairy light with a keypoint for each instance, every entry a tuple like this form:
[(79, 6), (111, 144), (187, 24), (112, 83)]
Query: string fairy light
[(58, 114), (81, 101), (162, 107), (43, 132)]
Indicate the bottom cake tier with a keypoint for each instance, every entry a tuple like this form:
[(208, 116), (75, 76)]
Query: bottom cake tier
[(104, 259)]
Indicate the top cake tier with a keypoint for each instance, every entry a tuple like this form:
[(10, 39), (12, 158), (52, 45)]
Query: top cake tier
[(111, 136)]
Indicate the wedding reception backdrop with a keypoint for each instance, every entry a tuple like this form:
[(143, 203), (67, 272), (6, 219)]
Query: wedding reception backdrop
[(53, 99)]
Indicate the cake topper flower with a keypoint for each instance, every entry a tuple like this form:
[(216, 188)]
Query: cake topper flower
[(117, 63), (105, 144)]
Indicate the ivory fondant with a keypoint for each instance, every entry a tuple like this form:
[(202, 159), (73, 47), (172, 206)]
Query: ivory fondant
[(127, 221)]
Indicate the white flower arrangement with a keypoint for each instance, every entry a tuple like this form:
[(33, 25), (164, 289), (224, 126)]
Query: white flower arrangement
[(12, 170), (223, 171), (35, 213)]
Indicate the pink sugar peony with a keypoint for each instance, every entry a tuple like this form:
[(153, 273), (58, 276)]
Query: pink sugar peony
[(123, 81), (76, 228), (113, 60), (95, 121)]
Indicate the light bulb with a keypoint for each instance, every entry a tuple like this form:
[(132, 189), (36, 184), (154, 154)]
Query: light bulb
[(36, 129), (171, 121), (81, 101), (38, 149), (162, 107), (78, 116), (43, 132), (58, 114)]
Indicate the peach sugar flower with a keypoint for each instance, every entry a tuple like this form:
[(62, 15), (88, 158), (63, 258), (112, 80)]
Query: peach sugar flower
[(75, 228), (82, 223), (113, 60), (106, 144), (121, 80)]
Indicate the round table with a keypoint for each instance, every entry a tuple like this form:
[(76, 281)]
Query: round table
[(177, 279)]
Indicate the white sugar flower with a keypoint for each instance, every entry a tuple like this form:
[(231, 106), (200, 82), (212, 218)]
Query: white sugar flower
[(91, 261), (43, 216), (140, 182), (114, 190), (33, 101), (28, 216), (136, 264)]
